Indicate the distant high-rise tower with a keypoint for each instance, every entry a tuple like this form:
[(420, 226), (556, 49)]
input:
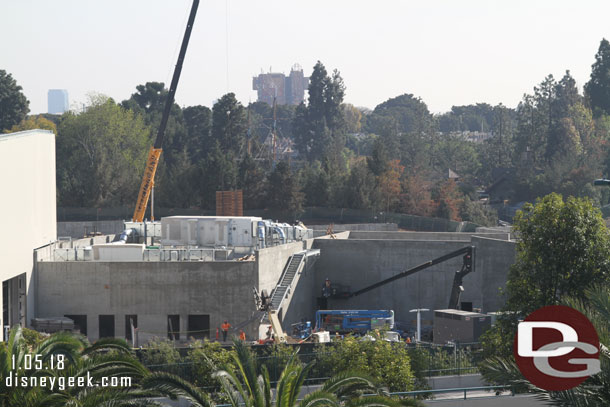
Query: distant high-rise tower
[(58, 101), (287, 90)]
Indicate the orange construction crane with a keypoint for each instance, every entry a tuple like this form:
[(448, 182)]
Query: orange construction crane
[(155, 151)]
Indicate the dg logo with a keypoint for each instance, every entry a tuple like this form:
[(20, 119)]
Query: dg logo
[(556, 348)]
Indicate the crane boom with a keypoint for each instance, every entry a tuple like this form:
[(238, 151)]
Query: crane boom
[(154, 154), (467, 252)]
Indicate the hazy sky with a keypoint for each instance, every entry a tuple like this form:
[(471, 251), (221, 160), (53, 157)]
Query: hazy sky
[(450, 52)]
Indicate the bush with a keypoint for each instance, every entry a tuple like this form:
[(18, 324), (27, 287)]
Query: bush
[(206, 358), (387, 362)]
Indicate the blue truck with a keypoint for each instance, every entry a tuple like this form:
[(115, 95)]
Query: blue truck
[(354, 321)]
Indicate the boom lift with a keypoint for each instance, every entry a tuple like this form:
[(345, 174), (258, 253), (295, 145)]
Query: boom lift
[(467, 254), (155, 151), (263, 303)]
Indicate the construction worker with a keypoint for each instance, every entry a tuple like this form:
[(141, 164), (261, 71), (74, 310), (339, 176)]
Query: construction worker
[(408, 339), (269, 335), (225, 330), (326, 293), (242, 335)]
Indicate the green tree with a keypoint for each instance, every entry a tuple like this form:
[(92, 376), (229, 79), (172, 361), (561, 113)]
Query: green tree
[(149, 101), (198, 122), (563, 248), (37, 122), (353, 118), (252, 180), (319, 127), (597, 90), (411, 113), (283, 192), (385, 362), (208, 358), (477, 117), (315, 184), (229, 124), (451, 152), (13, 104), (472, 211), (101, 154), (218, 172), (360, 186)]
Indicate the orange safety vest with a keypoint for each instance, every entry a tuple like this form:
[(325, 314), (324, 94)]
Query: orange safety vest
[(242, 336), (225, 327)]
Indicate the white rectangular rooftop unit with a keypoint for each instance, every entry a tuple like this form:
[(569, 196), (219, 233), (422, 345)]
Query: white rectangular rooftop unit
[(210, 231)]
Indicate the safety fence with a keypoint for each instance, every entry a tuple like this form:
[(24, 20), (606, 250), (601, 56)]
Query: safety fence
[(311, 215), (427, 360), (442, 360)]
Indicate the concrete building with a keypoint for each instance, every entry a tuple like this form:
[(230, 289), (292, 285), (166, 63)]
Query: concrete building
[(176, 297), (27, 182), (288, 90), (58, 101), (178, 292)]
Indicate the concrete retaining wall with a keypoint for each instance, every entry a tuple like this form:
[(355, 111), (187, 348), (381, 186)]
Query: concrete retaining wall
[(445, 236), (151, 290), (492, 263), (339, 227), (271, 262), (359, 263), (79, 229)]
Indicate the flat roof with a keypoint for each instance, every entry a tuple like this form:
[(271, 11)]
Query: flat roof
[(460, 312), (25, 133), (211, 217)]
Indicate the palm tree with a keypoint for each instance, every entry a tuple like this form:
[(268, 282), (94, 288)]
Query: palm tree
[(109, 357), (595, 391)]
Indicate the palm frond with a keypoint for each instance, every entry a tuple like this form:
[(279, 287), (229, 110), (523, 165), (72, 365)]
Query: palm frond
[(351, 383), (232, 387), (173, 386), (319, 398), (108, 344)]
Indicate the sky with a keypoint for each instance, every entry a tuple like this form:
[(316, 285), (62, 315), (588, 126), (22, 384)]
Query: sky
[(447, 52)]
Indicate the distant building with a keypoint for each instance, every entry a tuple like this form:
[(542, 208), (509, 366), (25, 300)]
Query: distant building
[(58, 101), (288, 90)]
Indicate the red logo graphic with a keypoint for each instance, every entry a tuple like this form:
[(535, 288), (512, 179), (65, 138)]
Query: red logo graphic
[(556, 348)]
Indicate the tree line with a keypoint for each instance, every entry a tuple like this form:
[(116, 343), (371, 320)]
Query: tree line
[(398, 157)]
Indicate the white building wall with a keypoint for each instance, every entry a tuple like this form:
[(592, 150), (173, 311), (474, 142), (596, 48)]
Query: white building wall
[(27, 205)]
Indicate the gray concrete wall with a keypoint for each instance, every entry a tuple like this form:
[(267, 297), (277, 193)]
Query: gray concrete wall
[(271, 262), (340, 227), (151, 290), (359, 263), (78, 229), (492, 263), (303, 301), (445, 236)]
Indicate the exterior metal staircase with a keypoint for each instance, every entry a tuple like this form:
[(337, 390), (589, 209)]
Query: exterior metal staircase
[(291, 270)]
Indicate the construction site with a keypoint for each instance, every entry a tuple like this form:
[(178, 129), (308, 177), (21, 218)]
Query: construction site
[(185, 277), (181, 277)]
